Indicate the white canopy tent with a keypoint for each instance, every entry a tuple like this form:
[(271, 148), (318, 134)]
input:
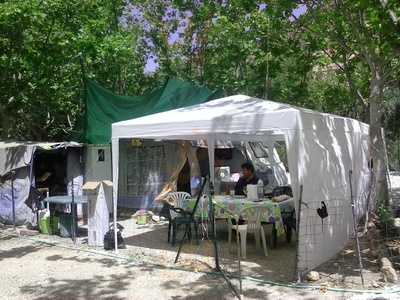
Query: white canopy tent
[(321, 150)]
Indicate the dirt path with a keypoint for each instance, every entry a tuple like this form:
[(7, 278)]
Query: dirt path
[(32, 270)]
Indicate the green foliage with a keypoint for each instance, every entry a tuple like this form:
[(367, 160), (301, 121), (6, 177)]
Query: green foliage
[(386, 222), (45, 48)]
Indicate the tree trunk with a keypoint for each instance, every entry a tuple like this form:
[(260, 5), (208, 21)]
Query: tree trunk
[(377, 145)]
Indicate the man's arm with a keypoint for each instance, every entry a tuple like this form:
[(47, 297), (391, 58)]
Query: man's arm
[(239, 187)]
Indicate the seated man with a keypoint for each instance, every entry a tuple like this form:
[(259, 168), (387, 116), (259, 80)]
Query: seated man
[(248, 177)]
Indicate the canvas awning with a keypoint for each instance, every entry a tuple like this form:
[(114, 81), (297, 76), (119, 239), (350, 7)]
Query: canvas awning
[(321, 149), (15, 155)]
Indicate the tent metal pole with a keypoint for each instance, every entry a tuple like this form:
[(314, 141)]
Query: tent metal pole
[(213, 228), (298, 272), (115, 227), (13, 197), (115, 163), (73, 212), (355, 228), (215, 244)]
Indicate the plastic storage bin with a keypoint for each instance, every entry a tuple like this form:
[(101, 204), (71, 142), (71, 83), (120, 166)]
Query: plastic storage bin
[(49, 225)]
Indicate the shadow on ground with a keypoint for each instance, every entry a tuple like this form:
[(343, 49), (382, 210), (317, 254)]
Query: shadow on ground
[(18, 251), (279, 265), (105, 287)]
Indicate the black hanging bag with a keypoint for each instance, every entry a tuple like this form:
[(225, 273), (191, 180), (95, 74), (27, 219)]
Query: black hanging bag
[(322, 213), (109, 239)]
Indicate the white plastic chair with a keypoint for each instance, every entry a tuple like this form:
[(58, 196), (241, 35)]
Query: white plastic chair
[(252, 218), (179, 200)]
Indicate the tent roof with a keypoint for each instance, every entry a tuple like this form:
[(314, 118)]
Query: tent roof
[(239, 115), (43, 145), (15, 155)]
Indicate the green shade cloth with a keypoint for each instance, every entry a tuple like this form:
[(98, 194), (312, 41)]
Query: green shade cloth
[(104, 108)]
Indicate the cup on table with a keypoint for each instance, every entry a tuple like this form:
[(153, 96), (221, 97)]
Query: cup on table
[(232, 192)]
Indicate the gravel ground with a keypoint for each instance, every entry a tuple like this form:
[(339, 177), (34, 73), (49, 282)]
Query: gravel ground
[(33, 270)]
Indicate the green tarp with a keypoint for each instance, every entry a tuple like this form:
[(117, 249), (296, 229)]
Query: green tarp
[(104, 108)]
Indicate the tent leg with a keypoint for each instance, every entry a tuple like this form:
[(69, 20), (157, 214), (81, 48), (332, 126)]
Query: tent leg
[(355, 228), (181, 244), (73, 227), (298, 272), (115, 227), (115, 162), (13, 197), (215, 244), (214, 235)]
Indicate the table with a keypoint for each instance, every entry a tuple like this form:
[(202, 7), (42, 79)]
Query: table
[(66, 199), (226, 205), (69, 200), (271, 213)]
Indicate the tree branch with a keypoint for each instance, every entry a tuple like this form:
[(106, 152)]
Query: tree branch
[(392, 14)]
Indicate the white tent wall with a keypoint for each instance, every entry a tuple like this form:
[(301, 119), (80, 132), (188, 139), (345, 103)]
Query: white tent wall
[(329, 147), (271, 162), (279, 171), (97, 168)]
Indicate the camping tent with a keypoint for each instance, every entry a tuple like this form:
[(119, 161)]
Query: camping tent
[(19, 158), (321, 150)]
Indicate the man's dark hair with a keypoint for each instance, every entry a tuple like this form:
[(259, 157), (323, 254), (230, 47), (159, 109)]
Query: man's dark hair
[(249, 166)]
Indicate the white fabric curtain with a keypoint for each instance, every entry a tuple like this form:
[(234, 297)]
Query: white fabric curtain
[(177, 155)]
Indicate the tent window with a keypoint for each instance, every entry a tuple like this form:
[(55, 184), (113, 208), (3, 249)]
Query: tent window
[(100, 155), (259, 150), (145, 170)]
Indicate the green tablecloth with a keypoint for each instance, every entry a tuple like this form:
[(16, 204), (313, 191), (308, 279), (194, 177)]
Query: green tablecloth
[(226, 206)]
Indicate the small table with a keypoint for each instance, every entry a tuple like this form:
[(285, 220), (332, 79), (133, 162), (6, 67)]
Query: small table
[(271, 212), (69, 200)]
